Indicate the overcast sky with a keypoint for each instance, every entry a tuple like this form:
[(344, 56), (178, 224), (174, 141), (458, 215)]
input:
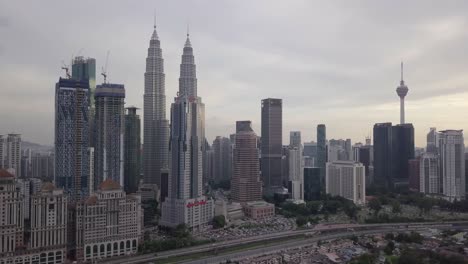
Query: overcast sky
[(332, 62)]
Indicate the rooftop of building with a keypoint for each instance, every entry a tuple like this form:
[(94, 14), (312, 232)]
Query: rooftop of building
[(5, 174), (48, 187), (259, 204), (109, 185), (72, 83)]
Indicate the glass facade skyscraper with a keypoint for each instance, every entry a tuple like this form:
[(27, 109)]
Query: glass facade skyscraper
[(72, 136), (132, 150)]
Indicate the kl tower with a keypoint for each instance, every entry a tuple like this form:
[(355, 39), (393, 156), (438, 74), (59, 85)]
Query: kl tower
[(402, 90)]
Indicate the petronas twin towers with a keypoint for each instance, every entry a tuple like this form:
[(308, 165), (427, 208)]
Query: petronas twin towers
[(178, 148)]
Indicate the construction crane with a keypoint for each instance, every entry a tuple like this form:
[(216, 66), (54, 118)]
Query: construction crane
[(67, 70), (104, 69)]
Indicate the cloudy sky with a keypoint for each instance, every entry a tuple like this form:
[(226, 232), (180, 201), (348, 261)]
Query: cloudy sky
[(332, 62)]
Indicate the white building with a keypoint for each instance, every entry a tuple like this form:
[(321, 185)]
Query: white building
[(3, 152), (346, 179), (49, 221), (24, 187), (296, 173), (429, 177), (185, 203), (13, 157), (452, 165), (109, 223)]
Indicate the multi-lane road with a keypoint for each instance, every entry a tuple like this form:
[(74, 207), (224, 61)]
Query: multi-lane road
[(320, 233)]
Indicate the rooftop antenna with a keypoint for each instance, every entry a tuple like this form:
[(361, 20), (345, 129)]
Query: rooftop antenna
[(154, 19), (67, 70), (104, 69), (402, 71)]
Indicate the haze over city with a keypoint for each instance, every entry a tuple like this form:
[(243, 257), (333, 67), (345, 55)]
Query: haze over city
[(331, 62)]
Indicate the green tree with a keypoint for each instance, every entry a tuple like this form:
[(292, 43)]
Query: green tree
[(301, 220), (375, 205), (181, 231), (350, 209), (219, 221), (396, 207), (389, 248)]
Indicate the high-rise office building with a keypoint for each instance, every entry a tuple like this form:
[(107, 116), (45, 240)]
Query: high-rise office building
[(295, 139), (312, 184), (246, 185), (429, 177), (296, 173), (346, 179), (452, 165), (155, 124), (222, 159), (72, 136), (414, 174), (109, 136), (271, 145), (466, 171), (13, 150), (383, 154), (132, 150), (186, 203), (310, 154), (321, 151), (402, 151), (84, 69), (431, 146)]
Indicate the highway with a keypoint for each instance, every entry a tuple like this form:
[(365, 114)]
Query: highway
[(325, 233)]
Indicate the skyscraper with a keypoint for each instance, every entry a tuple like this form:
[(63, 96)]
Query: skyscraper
[(186, 203), (312, 184), (310, 154), (429, 178), (452, 165), (222, 159), (383, 154), (13, 147), (402, 151), (295, 139), (84, 69), (246, 185), (72, 136), (155, 124), (296, 173), (321, 151), (132, 150), (402, 91), (272, 143), (110, 128), (431, 146)]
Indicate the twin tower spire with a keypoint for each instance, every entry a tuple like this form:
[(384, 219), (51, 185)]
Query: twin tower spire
[(156, 126)]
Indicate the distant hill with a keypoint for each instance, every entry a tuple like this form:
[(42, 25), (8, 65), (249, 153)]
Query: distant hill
[(36, 147)]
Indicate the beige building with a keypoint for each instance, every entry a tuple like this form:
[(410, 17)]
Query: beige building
[(346, 179), (11, 225), (259, 210), (109, 223), (47, 241), (246, 185)]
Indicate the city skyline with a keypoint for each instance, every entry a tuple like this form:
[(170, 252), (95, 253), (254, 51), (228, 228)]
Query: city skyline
[(355, 82)]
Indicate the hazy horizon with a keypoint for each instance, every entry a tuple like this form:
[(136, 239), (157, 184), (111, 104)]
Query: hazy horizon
[(332, 62)]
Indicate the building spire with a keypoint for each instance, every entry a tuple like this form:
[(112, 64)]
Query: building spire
[(187, 42), (155, 34)]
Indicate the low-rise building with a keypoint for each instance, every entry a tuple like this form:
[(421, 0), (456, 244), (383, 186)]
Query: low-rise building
[(259, 210), (108, 223)]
